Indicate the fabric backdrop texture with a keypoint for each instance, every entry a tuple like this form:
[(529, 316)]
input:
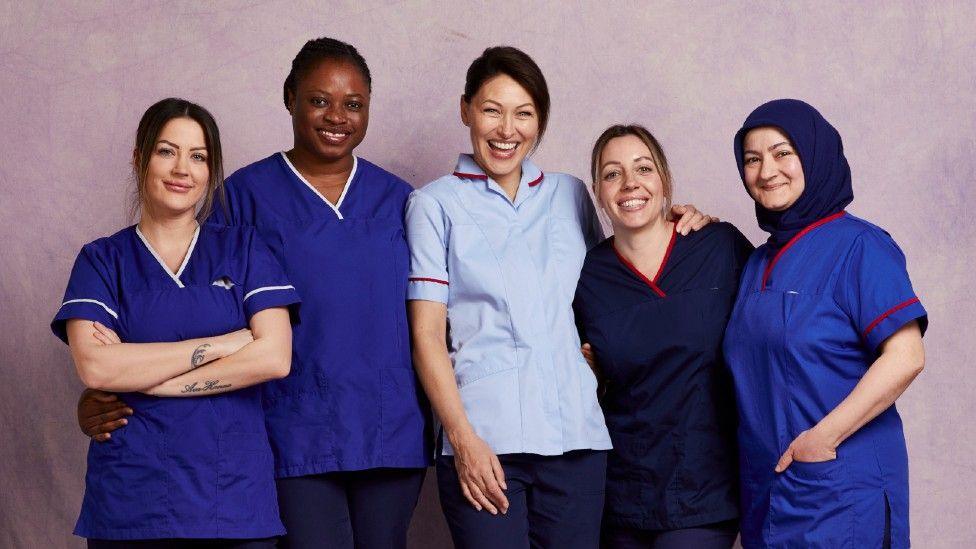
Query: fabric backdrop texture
[(897, 79)]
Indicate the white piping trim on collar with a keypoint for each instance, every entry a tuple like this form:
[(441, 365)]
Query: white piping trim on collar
[(335, 207), (186, 258), (265, 289), (96, 302)]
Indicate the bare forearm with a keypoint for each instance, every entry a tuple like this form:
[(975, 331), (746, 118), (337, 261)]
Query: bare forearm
[(433, 365), (136, 366), (259, 361), (884, 382)]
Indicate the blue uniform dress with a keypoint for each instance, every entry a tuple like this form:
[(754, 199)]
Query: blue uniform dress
[(507, 271), (807, 324), (668, 400), (183, 467), (351, 401)]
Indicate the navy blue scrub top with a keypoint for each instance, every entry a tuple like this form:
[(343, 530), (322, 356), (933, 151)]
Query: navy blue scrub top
[(352, 400), (183, 467), (668, 400)]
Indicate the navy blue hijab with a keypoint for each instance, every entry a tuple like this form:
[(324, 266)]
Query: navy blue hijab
[(827, 189)]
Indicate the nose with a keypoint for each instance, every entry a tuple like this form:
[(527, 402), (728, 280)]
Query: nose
[(182, 165), (767, 169), (507, 127), (629, 182), (335, 114)]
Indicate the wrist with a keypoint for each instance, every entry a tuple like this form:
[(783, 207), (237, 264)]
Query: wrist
[(460, 434), (207, 350), (828, 434)]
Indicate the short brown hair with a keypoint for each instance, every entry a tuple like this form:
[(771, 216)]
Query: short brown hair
[(516, 64), (150, 126), (657, 155)]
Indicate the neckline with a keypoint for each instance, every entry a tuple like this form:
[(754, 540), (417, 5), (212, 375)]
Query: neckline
[(779, 254), (186, 258), (653, 283), (345, 189)]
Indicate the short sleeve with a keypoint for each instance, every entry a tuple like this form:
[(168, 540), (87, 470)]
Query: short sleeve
[(265, 283), (590, 222), (426, 225), (92, 293), (875, 291), (741, 251)]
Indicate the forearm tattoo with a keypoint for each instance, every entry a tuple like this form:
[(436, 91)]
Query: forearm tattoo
[(198, 357), (210, 385)]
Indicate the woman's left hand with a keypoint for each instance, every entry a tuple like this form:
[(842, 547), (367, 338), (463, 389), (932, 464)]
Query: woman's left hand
[(811, 446), (104, 334), (689, 218)]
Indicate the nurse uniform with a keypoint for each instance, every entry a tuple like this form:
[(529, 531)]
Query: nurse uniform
[(507, 271), (352, 402), (195, 467)]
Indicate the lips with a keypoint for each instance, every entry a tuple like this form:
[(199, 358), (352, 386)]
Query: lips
[(333, 136), (632, 204), (503, 149), (181, 187)]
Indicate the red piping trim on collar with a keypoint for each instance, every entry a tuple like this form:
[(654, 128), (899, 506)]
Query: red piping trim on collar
[(799, 235), (471, 175), (667, 254), (639, 274), (537, 180), (888, 313)]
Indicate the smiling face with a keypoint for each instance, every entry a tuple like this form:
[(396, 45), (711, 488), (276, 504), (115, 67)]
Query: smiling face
[(504, 126), (630, 186), (177, 173), (772, 169), (330, 110)]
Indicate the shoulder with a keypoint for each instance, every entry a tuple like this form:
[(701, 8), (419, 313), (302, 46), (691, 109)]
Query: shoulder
[(382, 177), (109, 250), (249, 175), (867, 238), (564, 183), (596, 257), (719, 237), (437, 190)]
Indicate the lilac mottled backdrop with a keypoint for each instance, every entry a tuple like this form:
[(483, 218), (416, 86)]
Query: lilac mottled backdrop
[(897, 79)]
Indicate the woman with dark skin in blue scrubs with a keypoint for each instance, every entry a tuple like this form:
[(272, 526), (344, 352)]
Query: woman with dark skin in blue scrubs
[(349, 425), (825, 335), (160, 312), (652, 305)]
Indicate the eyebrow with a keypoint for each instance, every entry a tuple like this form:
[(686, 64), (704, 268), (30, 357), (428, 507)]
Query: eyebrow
[(523, 105), (175, 146), (774, 147), (323, 92)]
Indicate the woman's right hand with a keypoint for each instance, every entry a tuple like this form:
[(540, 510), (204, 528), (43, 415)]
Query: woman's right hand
[(480, 473), (100, 413), (234, 341)]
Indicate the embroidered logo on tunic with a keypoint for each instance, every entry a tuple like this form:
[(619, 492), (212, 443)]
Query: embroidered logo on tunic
[(224, 283)]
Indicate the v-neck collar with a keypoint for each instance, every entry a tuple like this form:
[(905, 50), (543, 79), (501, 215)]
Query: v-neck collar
[(345, 189), (186, 259), (653, 283), (769, 267), (532, 176)]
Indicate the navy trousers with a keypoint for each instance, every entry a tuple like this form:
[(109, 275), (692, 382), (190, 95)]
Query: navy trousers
[(368, 509), (554, 502), (710, 536), (266, 543)]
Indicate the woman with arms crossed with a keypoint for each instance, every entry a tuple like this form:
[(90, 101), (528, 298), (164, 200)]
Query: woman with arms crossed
[(825, 335), (496, 250), (348, 425), (653, 305), (160, 311)]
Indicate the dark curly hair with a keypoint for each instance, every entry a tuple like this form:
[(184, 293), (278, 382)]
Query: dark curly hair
[(321, 49)]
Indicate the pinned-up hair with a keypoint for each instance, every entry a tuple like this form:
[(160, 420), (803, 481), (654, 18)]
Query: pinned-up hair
[(657, 155), (318, 50), (516, 64)]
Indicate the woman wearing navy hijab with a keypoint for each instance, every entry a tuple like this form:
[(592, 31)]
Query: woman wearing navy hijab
[(348, 426), (825, 335), (653, 306), (160, 312)]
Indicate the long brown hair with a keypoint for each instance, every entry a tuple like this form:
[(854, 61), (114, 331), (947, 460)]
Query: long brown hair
[(150, 126), (657, 155)]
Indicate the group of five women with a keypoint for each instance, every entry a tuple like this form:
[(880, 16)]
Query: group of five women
[(266, 334)]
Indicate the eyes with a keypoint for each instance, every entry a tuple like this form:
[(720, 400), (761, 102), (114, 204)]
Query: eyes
[(321, 103), (615, 173), (169, 152), (523, 114), (752, 159)]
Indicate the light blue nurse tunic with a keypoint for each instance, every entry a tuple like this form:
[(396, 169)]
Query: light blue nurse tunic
[(184, 467), (507, 271), (807, 324)]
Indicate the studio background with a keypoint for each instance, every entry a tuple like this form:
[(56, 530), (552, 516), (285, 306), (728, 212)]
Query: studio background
[(895, 78)]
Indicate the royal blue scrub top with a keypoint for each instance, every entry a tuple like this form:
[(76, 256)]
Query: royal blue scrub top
[(507, 270), (351, 401), (668, 396), (807, 324), (183, 467)]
